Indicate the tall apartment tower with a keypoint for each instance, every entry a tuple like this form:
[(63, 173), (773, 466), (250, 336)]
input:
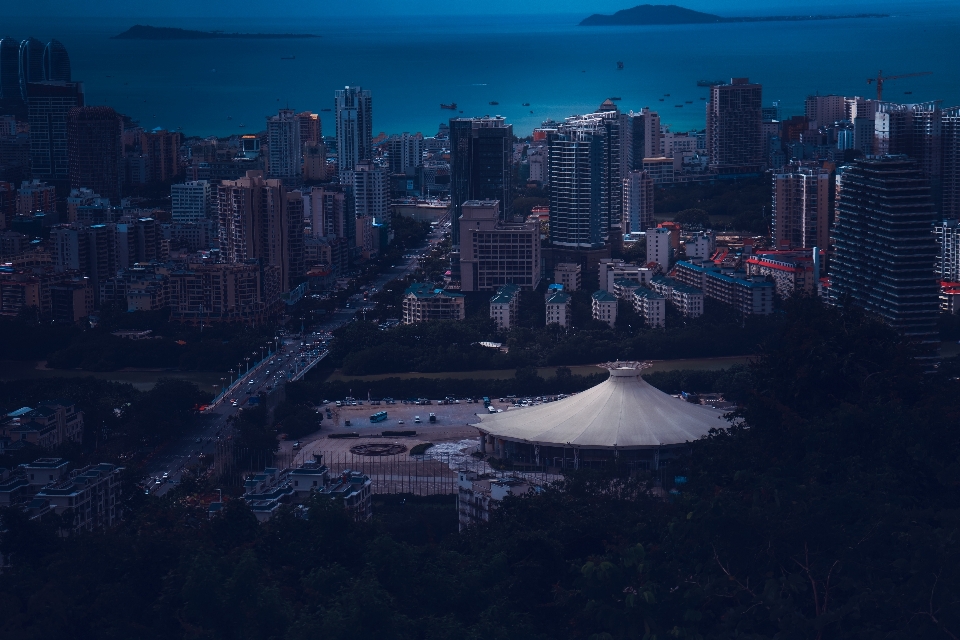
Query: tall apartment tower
[(659, 247), (885, 246), (11, 100), (637, 202), (586, 191), (47, 107), (914, 130), (354, 116), (193, 202), (371, 192), (639, 138), (95, 150), (311, 129), (823, 111), (30, 65), (256, 223), (735, 127), (326, 208), (950, 178), (948, 262), (405, 152), (480, 154), (283, 141), (801, 208), (56, 62)]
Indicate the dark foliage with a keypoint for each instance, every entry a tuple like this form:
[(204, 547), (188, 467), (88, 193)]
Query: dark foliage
[(828, 511)]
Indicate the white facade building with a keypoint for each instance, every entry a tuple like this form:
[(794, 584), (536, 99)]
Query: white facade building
[(701, 245), (637, 202), (504, 306), (285, 152), (948, 261), (650, 306), (567, 274), (192, 201), (658, 247), (604, 307), (558, 309)]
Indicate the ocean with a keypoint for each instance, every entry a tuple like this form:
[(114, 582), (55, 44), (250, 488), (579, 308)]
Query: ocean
[(412, 64)]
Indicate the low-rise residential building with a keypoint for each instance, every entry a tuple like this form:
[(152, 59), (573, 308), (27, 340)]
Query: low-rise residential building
[(750, 296), (355, 491), (688, 300), (504, 306), (604, 307), (422, 302), (479, 494), (558, 309), (623, 288), (700, 245), (567, 274), (310, 476), (91, 495), (51, 424), (612, 269), (650, 306), (791, 271)]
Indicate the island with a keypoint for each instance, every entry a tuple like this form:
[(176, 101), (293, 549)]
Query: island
[(656, 14), (146, 32)]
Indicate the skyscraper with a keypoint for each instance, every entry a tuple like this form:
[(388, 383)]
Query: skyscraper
[(885, 246), (586, 190), (311, 129), (801, 208), (639, 138), (354, 117), (950, 179), (11, 99), (480, 152), (405, 152), (56, 62), (637, 202), (47, 108), (914, 130), (283, 141), (256, 223), (326, 208), (371, 192), (735, 127), (95, 150), (192, 201), (30, 64)]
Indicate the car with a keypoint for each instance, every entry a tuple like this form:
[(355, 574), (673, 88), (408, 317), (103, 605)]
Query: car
[(399, 421), (199, 440), (416, 419)]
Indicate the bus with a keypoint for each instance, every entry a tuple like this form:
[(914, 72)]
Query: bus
[(379, 416)]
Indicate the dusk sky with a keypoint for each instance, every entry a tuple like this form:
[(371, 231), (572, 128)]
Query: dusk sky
[(359, 8)]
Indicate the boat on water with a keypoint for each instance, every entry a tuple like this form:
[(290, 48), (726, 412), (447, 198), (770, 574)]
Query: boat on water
[(678, 105), (907, 93), (494, 103), (324, 109), (708, 83), (288, 57), (661, 99), (689, 101), (525, 104), (616, 98), (619, 65), (242, 125), (452, 106), (702, 98)]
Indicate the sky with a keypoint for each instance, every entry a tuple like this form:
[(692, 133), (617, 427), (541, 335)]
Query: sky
[(362, 8)]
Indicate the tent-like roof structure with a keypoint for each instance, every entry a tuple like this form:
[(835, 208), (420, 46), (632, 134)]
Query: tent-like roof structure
[(623, 412)]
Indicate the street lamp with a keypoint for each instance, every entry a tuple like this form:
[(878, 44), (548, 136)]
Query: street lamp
[(222, 388), (248, 363), (231, 372)]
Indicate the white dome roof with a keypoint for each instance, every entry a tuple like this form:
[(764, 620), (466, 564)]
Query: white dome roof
[(623, 412)]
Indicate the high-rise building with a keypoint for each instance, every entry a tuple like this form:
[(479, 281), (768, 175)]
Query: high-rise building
[(326, 209), (371, 192), (160, 148), (47, 106), (735, 127), (95, 150), (256, 223), (586, 191), (659, 247), (193, 201), (914, 130), (637, 202), (283, 142), (294, 258), (948, 261), (823, 111), (801, 208), (56, 62), (314, 161), (950, 177), (885, 246), (30, 65), (480, 153), (405, 152), (11, 99), (494, 253), (311, 128), (36, 196), (354, 117), (639, 138)]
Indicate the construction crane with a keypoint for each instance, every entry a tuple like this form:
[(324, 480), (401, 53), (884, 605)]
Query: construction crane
[(880, 79)]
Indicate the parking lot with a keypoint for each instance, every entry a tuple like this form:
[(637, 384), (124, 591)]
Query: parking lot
[(451, 418)]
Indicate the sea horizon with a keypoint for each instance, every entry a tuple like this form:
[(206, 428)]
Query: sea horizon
[(412, 64)]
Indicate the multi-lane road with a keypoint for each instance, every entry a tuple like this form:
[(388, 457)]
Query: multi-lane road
[(165, 468)]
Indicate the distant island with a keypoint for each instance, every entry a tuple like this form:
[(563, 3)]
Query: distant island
[(145, 32), (646, 14)]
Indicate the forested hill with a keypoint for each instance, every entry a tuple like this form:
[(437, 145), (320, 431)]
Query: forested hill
[(651, 14)]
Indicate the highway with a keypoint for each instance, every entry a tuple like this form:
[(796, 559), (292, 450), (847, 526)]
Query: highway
[(164, 469)]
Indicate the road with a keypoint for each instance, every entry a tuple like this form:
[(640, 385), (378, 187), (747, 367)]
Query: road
[(165, 468)]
